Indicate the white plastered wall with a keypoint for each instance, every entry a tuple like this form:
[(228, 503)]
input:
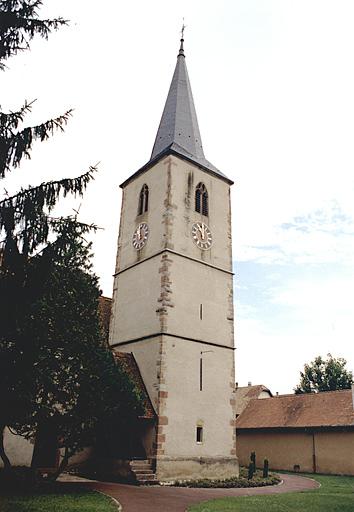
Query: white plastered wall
[(18, 449), (187, 406)]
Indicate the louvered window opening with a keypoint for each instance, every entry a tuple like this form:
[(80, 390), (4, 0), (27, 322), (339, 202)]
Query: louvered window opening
[(143, 200), (201, 199)]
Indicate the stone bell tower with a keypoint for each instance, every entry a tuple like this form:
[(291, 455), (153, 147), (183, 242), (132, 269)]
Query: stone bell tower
[(173, 295)]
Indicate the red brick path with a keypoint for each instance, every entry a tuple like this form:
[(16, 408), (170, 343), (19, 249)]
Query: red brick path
[(178, 499)]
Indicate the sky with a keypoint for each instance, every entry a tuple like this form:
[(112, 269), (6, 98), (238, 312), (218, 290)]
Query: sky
[(273, 86)]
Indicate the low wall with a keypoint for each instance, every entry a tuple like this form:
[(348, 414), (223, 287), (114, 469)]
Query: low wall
[(328, 452)]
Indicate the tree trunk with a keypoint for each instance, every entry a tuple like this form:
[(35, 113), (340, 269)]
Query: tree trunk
[(62, 465), (4, 457)]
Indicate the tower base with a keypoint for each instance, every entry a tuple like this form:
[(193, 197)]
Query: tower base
[(180, 468)]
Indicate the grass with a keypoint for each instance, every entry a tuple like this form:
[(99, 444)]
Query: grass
[(336, 494), (55, 502)]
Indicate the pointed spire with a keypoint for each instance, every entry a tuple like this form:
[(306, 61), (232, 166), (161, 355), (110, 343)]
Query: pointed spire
[(179, 124), (179, 131)]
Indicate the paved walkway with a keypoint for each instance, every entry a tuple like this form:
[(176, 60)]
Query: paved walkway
[(178, 499)]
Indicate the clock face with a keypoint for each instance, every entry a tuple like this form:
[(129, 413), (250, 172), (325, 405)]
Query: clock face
[(201, 235), (140, 236)]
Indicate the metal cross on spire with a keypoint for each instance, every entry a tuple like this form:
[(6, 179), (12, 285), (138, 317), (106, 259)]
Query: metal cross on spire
[(181, 49), (183, 27)]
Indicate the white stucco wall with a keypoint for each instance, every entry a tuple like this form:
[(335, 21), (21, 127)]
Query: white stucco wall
[(187, 406), (18, 449)]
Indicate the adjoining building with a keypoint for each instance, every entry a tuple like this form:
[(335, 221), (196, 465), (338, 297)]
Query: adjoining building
[(312, 432), (247, 393)]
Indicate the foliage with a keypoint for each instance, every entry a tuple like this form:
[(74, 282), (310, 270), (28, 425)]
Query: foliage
[(19, 23), (324, 375), (55, 371), (334, 495), (20, 479), (74, 381), (234, 482), (265, 468)]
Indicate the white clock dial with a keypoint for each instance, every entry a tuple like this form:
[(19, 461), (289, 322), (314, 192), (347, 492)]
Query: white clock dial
[(201, 235), (140, 236)]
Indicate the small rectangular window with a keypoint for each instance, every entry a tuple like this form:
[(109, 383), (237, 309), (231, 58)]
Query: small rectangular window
[(199, 434), (201, 311)]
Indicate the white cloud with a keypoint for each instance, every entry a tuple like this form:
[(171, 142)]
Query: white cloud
[(323, 235)]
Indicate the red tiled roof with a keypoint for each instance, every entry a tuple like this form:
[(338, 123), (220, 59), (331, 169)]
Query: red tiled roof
[(245, 394), (105, 308), (326, 409), (128, 363)]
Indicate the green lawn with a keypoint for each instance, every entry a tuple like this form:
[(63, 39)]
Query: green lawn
[(71, 502), (336, 494)]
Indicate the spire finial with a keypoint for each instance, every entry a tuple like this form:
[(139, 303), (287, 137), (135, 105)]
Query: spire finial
[(181, 49)]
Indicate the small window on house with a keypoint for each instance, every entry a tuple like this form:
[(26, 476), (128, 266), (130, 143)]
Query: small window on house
[(143, 200), (199, 435), (201, 199)]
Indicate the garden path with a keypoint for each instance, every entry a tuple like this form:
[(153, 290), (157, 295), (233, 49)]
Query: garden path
[(178, 499)]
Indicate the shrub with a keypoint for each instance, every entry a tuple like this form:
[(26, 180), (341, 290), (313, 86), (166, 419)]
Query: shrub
[(234, 482), (266, 468), (20, 478)]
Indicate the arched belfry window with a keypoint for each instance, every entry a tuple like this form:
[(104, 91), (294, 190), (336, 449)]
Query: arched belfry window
[(143, 200), (201, 199)]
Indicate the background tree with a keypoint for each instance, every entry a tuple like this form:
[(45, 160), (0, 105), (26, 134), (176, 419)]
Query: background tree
[(327, 374), (54, 367)]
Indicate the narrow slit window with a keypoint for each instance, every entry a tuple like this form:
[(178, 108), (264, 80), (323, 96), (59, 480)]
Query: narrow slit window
[(199, 435), (201, 374), (201, 199), (143, 200), (201, 311)]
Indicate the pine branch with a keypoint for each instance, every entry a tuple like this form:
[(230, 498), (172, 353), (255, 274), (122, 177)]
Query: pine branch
[(25, 216), (16, 145), (13, 119), (19, 23), (46, 194)]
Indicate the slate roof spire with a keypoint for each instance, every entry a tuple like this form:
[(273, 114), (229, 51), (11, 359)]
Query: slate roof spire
[(179, 131)]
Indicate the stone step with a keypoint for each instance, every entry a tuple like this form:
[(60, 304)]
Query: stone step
[(142, 477), (148, 482), (138, 469), (144, 472)]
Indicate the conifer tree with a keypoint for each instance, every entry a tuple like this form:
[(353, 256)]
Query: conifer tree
[(51, 347)]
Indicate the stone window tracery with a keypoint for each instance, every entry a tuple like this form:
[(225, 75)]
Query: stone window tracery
[(201, 199), (143, 200)]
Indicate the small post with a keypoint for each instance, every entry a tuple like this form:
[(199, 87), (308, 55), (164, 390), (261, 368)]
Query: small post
[(253, 460), (266, 468)]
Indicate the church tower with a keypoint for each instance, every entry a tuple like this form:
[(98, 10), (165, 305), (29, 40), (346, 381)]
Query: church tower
[(173, 295)]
